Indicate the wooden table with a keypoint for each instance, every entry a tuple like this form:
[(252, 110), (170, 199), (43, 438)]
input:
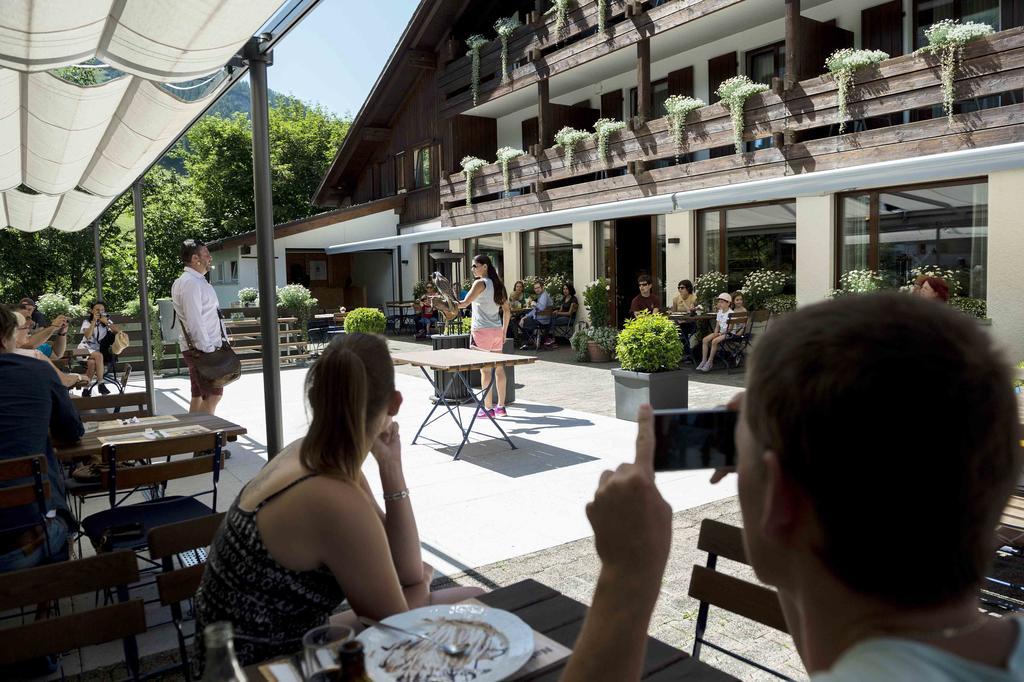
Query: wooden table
[(559, 617), (452, 362), (90, 445)]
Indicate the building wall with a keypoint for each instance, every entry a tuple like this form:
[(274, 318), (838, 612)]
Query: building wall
[(815, 247), (1005, 248), (583, 262)]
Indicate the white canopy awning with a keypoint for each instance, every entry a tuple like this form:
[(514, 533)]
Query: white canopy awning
[(67, 150)]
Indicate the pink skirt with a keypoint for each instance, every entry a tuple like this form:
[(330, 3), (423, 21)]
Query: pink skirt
[(487, 338)]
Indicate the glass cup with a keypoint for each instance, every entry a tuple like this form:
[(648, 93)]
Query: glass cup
[(320, 647)]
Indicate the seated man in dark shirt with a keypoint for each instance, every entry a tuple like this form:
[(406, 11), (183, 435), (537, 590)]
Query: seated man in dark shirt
[(33, 404), (645, 301)]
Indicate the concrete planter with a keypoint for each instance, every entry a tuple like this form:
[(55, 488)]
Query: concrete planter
[(663, 390)]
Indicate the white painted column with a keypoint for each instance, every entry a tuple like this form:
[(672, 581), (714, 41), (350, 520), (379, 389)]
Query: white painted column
[(1005, 247), (680, 258), (582, 263), (512, 252), (815, 248)]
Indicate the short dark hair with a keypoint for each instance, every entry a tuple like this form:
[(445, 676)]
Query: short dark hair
[(189, 248), (538, 281), (643, 279), (8, 323), (914, 477), (686, 284), (26, 301)]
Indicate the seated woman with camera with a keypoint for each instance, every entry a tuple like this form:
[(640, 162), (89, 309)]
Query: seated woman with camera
[(98, 334)]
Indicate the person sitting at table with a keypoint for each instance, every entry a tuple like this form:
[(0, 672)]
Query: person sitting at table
[(645, 301), (711, 341), (426, 314), (738, 309), (517, 297), (24, 327), (33, 406), (857, 599), (685, 301), (539, 315), (305, 533), (42, 332), (569, 304), (933, 288), (98, 334)]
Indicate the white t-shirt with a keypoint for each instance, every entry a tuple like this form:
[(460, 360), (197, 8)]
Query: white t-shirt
[(92, 342), (722, 320), (904, 660)]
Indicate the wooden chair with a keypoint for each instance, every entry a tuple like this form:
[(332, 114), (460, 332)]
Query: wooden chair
[(187, 541), (996, 591), (122, 620), (743, 598), (121, 406), (34, 493), (163, 509)]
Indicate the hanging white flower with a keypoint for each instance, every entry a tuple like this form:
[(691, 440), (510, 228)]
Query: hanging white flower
[(503, 156), (560, 8), (567, 138), (475, 42), (470, 166), (602, 15), (842, 64), (505, 28), (947, 38), (604, 127), (734, 93), (677, 108)]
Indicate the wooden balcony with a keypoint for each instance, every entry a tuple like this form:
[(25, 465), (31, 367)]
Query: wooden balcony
[(553, 56), (991, 66)]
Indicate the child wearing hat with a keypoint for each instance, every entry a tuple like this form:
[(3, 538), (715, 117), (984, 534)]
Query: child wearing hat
[(711, 341)]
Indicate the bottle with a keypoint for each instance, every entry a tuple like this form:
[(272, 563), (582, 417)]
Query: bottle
[(221, 663), (353, 664)]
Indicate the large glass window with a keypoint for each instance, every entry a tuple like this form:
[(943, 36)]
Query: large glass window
[(489, 246), (896, 230), (755, 237), (421, 167), (547, 252), (928, 12)]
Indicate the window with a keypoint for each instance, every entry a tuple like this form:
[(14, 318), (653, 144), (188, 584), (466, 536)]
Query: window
[(234, 271), (399, 171), (219, 273), (896, 230), (766, 63), (421, 167), (659, 93), (427, 264), (489, 246), (927, 12), (548, 252), (739, 240)]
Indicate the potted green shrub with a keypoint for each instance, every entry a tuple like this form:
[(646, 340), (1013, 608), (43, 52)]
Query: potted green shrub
[(248, 296), (365, 321), (594, 344), (298, 302), (649, 351)]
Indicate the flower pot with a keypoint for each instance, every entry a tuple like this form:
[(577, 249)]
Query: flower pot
[(663, 390), (597, 353)]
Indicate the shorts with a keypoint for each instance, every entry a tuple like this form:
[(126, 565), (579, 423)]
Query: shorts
[(487, 338), (199, 389)]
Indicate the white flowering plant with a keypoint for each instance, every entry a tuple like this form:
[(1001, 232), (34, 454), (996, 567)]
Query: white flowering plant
[(947, 39), (735, 92), (781, 304), (595, 298), (858, 282), (248, 295), (505, 27), (553, 284), (504, 155), (52, 305), (708, 286), (974, 307), (677, 108), (471, 165), (760, 285), (567, 138), (603, 128), (843, 64), (560, 8), (475, 43), (949, 276)]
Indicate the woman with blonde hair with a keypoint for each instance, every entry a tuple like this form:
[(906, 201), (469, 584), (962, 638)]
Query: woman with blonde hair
[(306, 533)]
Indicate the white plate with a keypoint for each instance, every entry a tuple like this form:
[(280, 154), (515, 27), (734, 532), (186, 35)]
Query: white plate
[(502, 643)]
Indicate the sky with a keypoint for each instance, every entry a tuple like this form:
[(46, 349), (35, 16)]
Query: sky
[(335, 54)]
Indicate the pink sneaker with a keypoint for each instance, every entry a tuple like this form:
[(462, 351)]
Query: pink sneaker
[(481, 413), (499, 411)]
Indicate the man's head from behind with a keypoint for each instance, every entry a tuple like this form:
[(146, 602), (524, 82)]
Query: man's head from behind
[(875, 427), (195, 255)]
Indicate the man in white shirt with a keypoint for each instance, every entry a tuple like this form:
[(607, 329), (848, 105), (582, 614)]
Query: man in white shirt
[(198, 312), (874, 462)]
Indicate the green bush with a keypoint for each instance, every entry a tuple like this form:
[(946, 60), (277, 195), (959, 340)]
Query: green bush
[(419, 289), (595, 298), (365, 320), (780, 305), (605, 337), (298, 301), (708, 286), (975, 307), (761, 285), (649, 343)]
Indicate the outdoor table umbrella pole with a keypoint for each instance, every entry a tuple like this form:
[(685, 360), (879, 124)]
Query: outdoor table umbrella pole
[(258, 62), (140, 255)]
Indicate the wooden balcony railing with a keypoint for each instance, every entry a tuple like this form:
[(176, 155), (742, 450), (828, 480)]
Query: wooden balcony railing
[(991, 66), (454, 81)]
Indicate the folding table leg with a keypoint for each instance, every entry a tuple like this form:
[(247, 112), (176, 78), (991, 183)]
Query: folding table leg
[(445, 387), (480, 406)]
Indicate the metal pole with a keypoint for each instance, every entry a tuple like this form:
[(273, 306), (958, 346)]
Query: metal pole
[(99, 258), (258, 63), (140, 259)]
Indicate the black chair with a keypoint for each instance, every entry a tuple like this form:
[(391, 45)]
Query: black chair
[(733, 350), (28, 487), (563, 327)]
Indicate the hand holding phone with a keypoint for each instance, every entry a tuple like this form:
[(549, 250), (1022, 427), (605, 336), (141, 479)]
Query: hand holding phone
[(694, 439)]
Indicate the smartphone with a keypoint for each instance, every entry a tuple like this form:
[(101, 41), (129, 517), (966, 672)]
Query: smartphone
[(694, 439)]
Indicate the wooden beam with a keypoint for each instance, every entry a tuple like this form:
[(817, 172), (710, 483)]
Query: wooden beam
[(643, 81), (545, 135), (421, 59), (792, 42), (369, 134)]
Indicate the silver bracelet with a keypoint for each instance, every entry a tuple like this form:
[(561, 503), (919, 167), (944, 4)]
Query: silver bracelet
[(400, 495)]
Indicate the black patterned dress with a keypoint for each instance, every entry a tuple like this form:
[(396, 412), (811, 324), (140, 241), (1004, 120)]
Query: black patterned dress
[(270, 606)]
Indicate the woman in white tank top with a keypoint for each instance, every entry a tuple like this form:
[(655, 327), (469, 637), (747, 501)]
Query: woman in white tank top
[(490, 325)]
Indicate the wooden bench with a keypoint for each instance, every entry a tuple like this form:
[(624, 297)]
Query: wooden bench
[(709, 587), (117, 402)]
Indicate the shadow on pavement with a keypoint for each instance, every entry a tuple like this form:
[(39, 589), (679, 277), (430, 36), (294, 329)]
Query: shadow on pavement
[(530, 457)]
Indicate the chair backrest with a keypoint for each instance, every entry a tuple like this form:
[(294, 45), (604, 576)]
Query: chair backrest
[(127, 405), (37, 492), (711, 588), (177, 585), (740, 322), (115, 477), (121, 620)]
